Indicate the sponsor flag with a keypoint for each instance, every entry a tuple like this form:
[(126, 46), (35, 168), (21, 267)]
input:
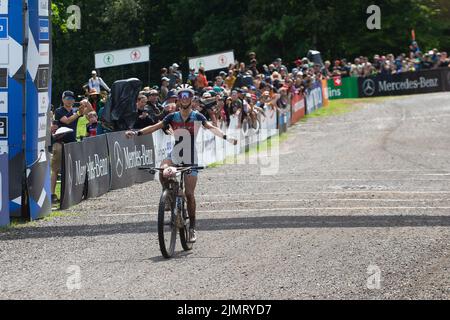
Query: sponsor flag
[(337, 81)]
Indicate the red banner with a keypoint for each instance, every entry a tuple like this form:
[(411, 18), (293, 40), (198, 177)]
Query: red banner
[(337, 82), (298, 107)]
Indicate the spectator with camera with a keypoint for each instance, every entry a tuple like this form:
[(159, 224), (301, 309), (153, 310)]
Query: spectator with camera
[(154, 107), (145, 117), (66, 116), (208, 103), (95, 100)]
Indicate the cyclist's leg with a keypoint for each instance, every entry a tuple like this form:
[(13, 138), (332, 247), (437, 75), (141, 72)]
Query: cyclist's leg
[(190, 184)]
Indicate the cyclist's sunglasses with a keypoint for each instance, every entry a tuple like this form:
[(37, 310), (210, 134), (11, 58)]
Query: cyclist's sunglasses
[(185, 95)]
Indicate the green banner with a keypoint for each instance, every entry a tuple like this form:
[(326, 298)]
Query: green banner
[(343, 88)]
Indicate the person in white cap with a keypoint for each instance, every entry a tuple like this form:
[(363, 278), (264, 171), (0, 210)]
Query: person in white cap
[(164, 88), (175, 76), (95, 82)]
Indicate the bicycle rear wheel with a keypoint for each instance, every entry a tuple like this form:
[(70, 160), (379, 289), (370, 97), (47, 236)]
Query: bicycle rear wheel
[(167, 231), (184, 232)]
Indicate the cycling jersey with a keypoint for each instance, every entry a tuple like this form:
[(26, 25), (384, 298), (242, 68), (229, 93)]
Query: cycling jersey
[(181, 128)]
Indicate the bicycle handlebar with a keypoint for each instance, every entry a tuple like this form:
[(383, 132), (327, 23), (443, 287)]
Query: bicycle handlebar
[(182, 168)]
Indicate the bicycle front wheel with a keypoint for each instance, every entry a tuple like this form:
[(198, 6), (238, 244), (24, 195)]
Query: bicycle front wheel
[(184, 232), (167, 231)]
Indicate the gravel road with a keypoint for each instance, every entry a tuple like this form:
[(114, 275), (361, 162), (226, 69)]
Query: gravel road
[(360, 209)]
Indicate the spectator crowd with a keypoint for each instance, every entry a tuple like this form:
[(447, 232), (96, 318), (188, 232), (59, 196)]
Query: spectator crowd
[(244, 91)]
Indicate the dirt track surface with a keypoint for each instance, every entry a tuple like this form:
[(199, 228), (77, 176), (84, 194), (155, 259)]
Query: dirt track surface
[(358, 193)]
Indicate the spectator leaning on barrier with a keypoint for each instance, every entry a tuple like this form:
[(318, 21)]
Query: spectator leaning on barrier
[(233, 105), (65, 117), (145, 116), (207, 104), (97, 82), (444, 61), (154, 107), (170, 105)]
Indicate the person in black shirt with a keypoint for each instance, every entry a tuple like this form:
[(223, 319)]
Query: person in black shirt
[(65, 116), (207, 107)]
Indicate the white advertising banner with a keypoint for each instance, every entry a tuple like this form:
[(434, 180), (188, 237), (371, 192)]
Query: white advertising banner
[(4, 52), (3, 6), (122, 57), (44, 53), (212, 62), (42, 127), (43, 8), (3, 102), (43, 102)]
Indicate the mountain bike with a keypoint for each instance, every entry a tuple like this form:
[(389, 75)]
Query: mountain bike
[(172, 212)]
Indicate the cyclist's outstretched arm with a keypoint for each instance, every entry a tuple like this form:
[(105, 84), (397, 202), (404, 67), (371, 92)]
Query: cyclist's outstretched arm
[(219, 133), (147, 130)]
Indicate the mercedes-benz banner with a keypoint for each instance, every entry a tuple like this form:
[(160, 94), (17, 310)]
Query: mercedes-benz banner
[(146, 146), (74, 175), (126, 156), (426, 81), (97, 165)]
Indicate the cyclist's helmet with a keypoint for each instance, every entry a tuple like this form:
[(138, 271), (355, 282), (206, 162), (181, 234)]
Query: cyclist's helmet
[(185, 88)]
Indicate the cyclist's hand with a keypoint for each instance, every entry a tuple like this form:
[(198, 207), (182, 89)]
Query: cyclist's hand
[(169, 172), (130, 134)]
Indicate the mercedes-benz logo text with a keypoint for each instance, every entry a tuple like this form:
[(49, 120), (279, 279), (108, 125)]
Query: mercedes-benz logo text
[(369, 87), (119, 162)]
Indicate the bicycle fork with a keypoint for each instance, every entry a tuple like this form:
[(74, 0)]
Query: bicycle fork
[(180, 220)]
